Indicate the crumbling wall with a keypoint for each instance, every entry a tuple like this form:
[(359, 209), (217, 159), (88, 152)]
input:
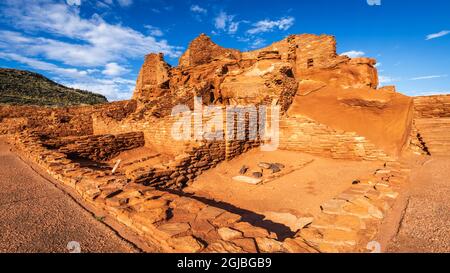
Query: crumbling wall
[(314, 51), (46, 120), (59, 122), (228, 77), (202, 50), (152, 77), (12, 125), (432, 106), (314, 57), (306, 135), (156, 131), (183, 168), (96, 147)]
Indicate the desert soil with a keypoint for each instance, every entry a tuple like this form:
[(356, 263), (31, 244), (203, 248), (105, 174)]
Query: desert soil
[(425, 218), (35, 216), (300, 192)]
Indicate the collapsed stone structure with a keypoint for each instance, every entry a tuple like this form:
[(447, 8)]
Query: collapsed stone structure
[(330, 105)]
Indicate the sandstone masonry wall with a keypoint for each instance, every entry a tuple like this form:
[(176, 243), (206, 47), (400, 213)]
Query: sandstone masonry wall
[(303, 51), (59, 122), (45, 120), (432, 106), (96, 147), (190, 157), (306, 135), (178, 222), (320, 49), (158, 133)]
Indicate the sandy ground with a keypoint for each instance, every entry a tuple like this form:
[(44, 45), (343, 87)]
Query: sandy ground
[(35, 216), (384, 127), (425, 219), (300, 192)]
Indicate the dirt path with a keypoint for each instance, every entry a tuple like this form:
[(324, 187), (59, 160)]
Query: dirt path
[(425, 218), (35, 216)]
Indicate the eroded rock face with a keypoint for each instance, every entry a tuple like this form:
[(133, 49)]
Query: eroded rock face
[(202, 51), (274, 74), (153, 77)]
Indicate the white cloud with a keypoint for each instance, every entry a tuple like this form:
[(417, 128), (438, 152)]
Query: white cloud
[(44, 66), (243, 39), (386, 79), (428, 77), (225, 22), (113, 89), (198, 9), (233, 27), (86, 53), (437, 35), (378, 65), (102, 5), (114, 69), (222, 20), (353, 54), (269, 25), (73, 2), (154, 31), (125, 3), (257, 43), (92, 42), (374, 2)]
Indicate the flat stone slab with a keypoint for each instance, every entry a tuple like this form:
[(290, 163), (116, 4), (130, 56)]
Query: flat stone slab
[(174, 228), (228, 234), (293, 222), (246, 179)]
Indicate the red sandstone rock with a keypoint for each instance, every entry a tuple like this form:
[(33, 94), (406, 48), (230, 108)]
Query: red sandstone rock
[(228, 234), (202, 51), (227, 76), (152, 77)]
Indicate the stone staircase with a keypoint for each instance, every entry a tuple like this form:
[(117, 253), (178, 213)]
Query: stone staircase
[(435, 133)]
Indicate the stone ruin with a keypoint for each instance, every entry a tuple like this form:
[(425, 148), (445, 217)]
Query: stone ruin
[(122, 157)]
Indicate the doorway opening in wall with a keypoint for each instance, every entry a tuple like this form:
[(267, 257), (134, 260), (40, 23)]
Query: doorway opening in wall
[(212, 98), (310, 63)]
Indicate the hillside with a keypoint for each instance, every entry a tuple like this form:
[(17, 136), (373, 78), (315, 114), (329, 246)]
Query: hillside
[(20, 87)]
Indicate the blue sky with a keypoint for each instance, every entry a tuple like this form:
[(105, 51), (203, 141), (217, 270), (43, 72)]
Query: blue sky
[(99, 45)]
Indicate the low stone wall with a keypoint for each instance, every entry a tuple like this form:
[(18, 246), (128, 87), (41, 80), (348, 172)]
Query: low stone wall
[(190, 157), (158, 133), (296, 133), (74, 121), (12, 125), (96, 147), (350, 221), (306, 135), (432, 106), (171, 220), (185, 167)]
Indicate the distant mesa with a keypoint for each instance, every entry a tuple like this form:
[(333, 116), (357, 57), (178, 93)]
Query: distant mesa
[(21, 87)]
